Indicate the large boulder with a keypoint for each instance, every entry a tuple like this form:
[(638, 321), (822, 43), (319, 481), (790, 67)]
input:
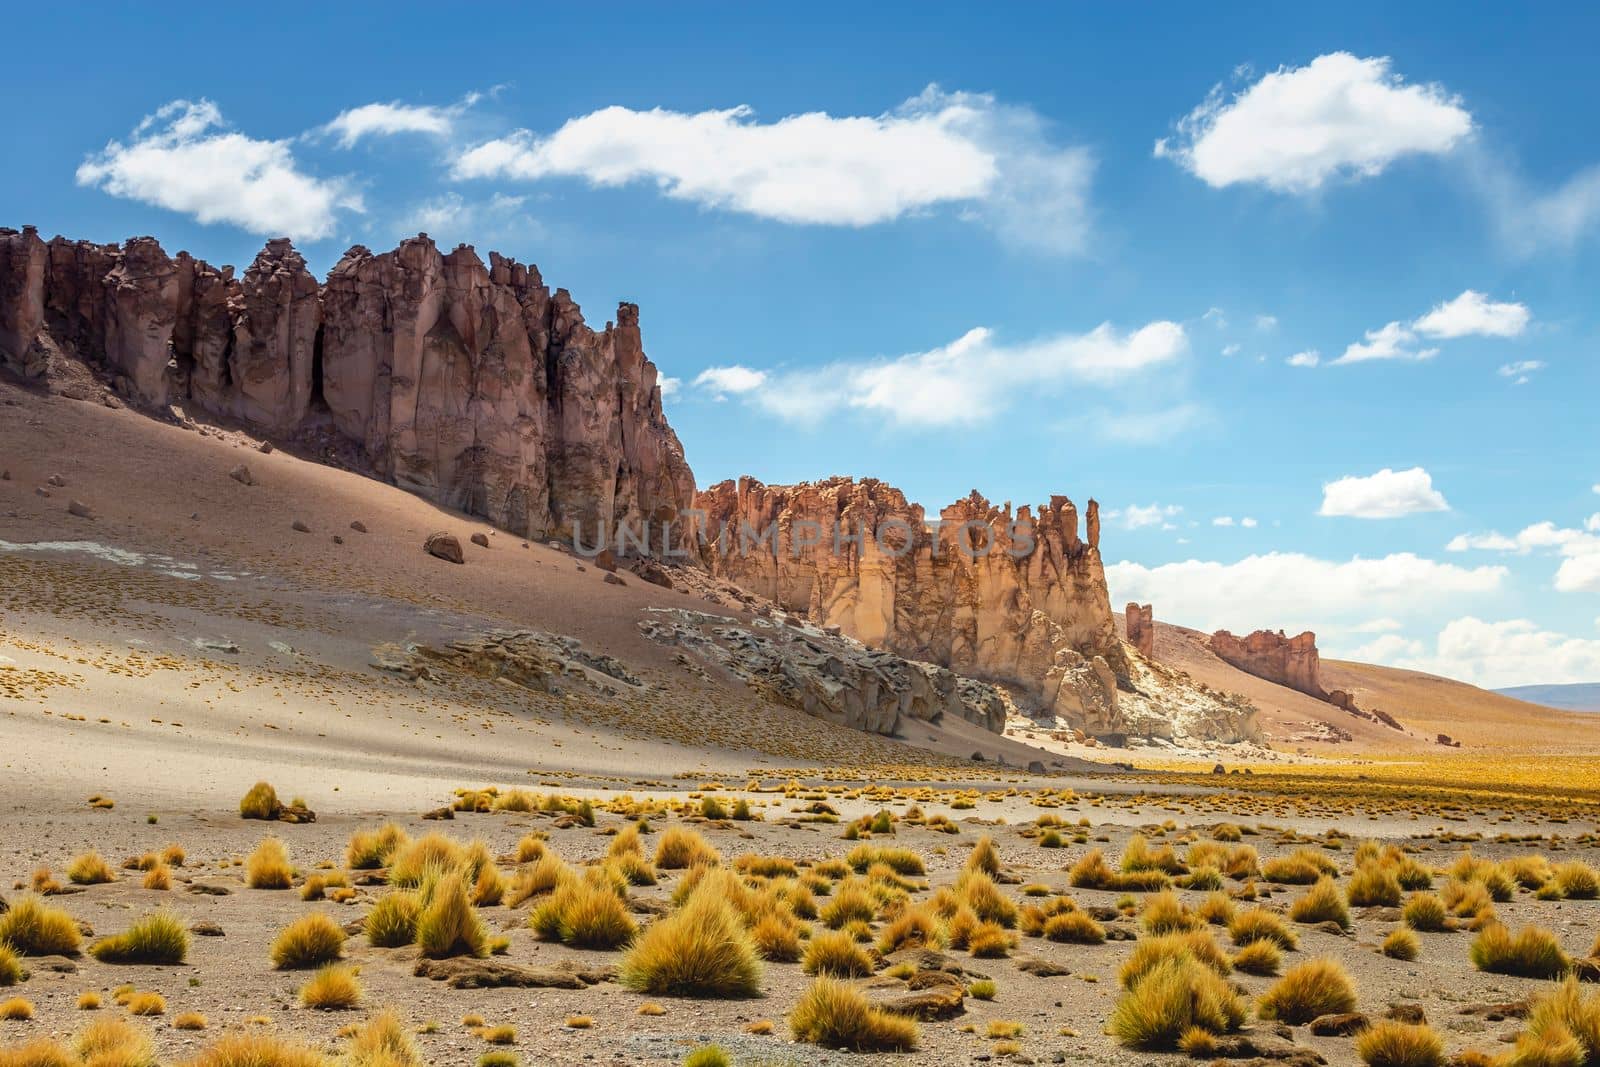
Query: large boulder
[(445, 546)]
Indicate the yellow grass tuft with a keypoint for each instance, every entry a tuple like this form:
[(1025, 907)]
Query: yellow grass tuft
[(1395, 1044), (680, 848), (34, 928), (189, 1020), (701, 950), (258, 1050), (1321, 903), (268, 866), (309, 941), (147, 1003), (1401, 944), (261, 802), (383, 1042), (17, 1009), (158, 938), (1168, 1000), (392, 922), (836, 954), (1259, 958), (1307, 990), (114, 1042), (584, 914), (1426, 912), (1532, 952), (835, 1015), (89, 869), (448, 925), (333, 988)]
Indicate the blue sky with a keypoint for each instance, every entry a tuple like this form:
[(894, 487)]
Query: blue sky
[(1061, 250)]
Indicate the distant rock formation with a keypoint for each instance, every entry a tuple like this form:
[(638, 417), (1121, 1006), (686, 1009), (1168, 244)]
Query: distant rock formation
[(1290, 661), (1287, 661), (1015, 598), (469, 384), (1141, 624)]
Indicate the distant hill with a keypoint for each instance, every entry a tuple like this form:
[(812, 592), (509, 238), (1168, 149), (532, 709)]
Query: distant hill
[(1581, 696)]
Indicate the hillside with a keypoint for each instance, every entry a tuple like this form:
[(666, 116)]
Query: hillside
[(1424, 704)]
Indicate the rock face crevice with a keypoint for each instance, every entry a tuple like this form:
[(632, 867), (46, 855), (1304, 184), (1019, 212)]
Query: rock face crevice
[(1013, 597), (469, 384)]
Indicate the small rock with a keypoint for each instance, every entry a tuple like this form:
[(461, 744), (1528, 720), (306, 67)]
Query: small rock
[(481, 540), (445, 546), (338, 540), (358, 526), (80, 509), (241, 474), (1407, 1013), (57, 481), (41, 491), (299, 527), (1035, 766), (605, 559), (612, 579), (205, 928), (1341, 1025), (265, 448), (5, 476)]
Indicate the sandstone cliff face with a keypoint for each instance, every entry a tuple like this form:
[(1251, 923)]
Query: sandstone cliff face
[(1289, 661), (1141, 622), (469, 384), (1011, 597)]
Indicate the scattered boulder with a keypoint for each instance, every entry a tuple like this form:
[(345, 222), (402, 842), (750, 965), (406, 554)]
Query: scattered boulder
[(445, 546), (481, 540), (1342, 1024), (929, 995), (265, 448), (80, 509), (1041, 968), (299, 526), (605, 559), (241, 474), (338, 540), (612, 579), (57, 481), (206, 928), (1407, 1013), (358, 526), (462, 972)]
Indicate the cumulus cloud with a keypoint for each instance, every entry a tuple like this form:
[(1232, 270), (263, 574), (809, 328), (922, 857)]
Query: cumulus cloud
[(184, 158), (1222, 520), (454, 215), (1339, 116), (1497, 654), (1580, 569), (1295, 591), (1393, 341), (1309, 358), (386, 120), (966, 381), (993, 161), (669, 386), (1520, 371), (1248, 523), (1140, 517), (1388, 494), (1473, 313), (735, 379)]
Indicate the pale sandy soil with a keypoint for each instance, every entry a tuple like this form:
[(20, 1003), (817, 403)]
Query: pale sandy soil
[(186, 642)]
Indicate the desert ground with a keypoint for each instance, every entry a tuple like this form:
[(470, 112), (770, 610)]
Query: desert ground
[(650, 863)]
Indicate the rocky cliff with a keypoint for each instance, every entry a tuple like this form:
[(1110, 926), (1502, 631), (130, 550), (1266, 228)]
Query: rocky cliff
[(1014, 597), (470, 384), (1141, 624), (1290, 661)]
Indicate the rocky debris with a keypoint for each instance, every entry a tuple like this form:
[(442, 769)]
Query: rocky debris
[(481, 540), (445, 546), (1498, 1012), (241, 474), (1340, 1025), (265, 448), (80, 509), (206, 928), (1015, 598), (57, 481), (209, 889), (926, 995), (358, 526), (650, 571), (468, 383), (1407, 1013), (826, 675), (299, 526), (531, 659), (1447, 741), (1041, 968), (462, 972), (1141, 625), (612, 579)]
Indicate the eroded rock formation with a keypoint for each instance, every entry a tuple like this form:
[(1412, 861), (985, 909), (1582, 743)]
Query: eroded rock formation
[(1141, 624), (467, 383), (828, 675), (1014, 597), (1288, 661)]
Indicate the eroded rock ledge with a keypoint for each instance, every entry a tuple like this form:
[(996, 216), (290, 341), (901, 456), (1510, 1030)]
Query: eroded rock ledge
[(467, 383)]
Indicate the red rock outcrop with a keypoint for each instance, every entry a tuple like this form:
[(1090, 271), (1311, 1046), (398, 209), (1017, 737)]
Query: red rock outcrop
[(1011, 597), (1288, 661), (1141, 623), (469, 384)]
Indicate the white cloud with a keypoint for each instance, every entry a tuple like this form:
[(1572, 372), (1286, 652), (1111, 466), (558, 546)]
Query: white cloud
[(1309, 358), (965, 149), (1579, 574), (1580, 569), (1232, 349), (456, 217), (386, 120), (1388, 494), (1473, 314), (1531, 218), (1222, 520), (1393, 341), (1140, 517), (669, 386), (733, 379), (184, 158), (1378, 626), (1519, 371), (1296, 128), (1498, 654), (1266, 323), (1149, 427), (1295, 591), (1248, 523), (967, 381)]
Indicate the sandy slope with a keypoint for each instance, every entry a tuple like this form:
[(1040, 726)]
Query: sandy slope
[(112, 669), (1425, 704)]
